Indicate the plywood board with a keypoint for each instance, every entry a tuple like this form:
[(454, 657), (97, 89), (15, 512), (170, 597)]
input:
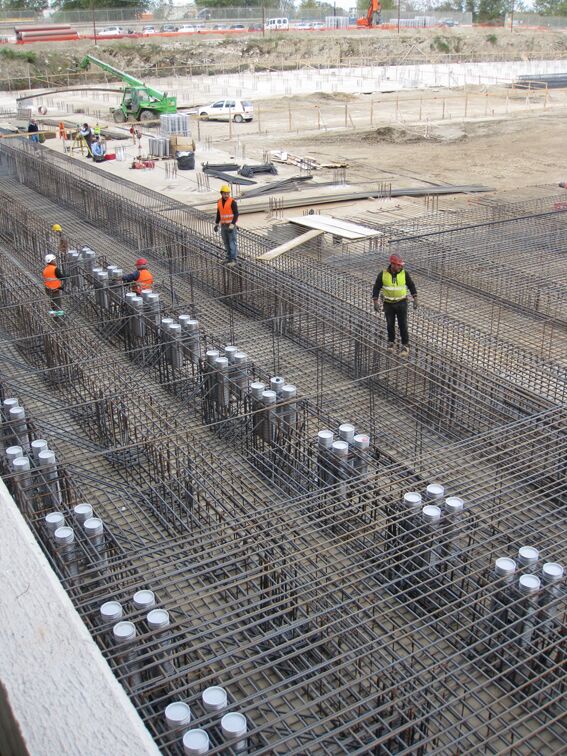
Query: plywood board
[(335, 226), (298, 241)]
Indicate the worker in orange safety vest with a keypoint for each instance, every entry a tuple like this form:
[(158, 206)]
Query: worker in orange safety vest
[(141, 279), (227, 215), (53, 282)]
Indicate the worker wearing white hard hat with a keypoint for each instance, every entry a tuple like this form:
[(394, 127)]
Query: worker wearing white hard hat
[(227, 215), (53, 282)]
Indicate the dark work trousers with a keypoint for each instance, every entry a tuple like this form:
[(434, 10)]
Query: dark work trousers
[(55, 297), (399, 310), (229, 240)]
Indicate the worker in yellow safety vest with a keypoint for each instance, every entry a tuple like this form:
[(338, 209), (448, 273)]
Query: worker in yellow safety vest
[(141, 279), (392, 285), (227, 215)]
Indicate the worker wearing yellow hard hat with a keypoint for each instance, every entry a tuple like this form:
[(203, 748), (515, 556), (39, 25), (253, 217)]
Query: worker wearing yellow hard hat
[(62, 244), (227, 215)]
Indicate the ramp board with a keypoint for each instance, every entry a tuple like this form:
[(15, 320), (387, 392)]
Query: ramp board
[(335, 226), (298, 241)]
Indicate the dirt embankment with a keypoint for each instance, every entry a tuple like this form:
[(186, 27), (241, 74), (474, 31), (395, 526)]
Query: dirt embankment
[(58, 63)]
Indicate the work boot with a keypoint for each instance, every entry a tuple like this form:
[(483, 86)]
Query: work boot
[(404, 351), (390, 345), (231, 263)]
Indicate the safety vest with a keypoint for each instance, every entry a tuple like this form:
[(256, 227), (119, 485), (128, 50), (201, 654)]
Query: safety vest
[(394, 292), (97, 130), (49, 278), (225, 211), (144, 281)]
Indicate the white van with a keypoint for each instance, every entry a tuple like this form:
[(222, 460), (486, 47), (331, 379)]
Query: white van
[(277, 24)]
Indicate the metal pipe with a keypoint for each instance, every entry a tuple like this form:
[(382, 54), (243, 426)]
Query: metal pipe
[(64, 539), (234, 726), (124, 634), (177, 716), (195, 742)]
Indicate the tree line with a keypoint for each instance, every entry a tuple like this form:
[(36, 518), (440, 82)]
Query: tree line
[(482, 10)]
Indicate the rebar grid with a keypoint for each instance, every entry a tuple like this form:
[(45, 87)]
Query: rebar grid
[(303, 317), (357, 548), (339, 621)]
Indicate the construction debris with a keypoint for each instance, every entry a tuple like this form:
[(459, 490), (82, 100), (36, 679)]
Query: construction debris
[(210, 167), (281, 156), (285, 185), (251, 170), (230, 178)]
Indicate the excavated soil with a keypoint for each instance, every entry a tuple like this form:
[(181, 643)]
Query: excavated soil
[(34, 63)]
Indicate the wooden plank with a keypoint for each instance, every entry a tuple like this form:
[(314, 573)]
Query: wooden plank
[(335, 226), (298, 241)]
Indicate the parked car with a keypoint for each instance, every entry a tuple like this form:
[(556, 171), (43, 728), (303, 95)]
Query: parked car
[(448, 22), (237, 26), (318, 25), (224, 110), (149, 30), (186, 29), (255, 27), (168, 28), (303, 25), (111, 31)]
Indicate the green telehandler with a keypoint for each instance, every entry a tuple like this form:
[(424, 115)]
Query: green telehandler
[(139, 101)]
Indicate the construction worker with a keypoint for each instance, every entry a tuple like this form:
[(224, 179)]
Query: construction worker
[(33, 128), (98, 149), (394, 283), (88, 135), (96, 129), (227, 215), (376, 12), (62, 243), (52, 280), (141, 279)]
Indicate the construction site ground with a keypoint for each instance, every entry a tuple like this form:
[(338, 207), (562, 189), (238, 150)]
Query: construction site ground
[(499, 137)]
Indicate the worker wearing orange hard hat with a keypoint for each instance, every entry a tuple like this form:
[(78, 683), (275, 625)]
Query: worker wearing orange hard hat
[(141, 279), (227, 215), (392, 285)]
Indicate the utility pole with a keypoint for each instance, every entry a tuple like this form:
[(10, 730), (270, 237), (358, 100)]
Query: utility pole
[(399, 16), (94, 19)]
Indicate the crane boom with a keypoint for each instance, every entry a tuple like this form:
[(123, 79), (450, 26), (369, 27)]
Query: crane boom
[(139, 101), (126, 78)]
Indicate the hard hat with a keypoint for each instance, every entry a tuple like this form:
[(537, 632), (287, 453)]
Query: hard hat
[(56, 227), (225, 188), (141, 261), (396, 260), (49, 258)]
